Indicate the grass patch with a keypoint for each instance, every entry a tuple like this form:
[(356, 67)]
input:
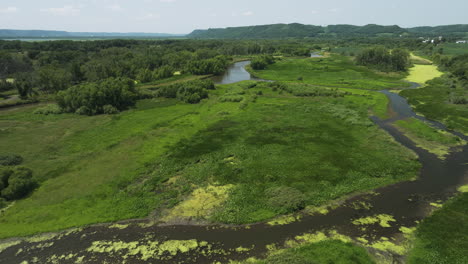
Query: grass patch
[(441, 238), (433, 140), (433, 102), (336, 70)]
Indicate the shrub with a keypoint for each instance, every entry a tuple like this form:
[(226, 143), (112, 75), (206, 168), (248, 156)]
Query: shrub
[(110, 110), (260, 63), (50, 109), (90, 98), (189, 92), (83, 110), (10, 160), (3, 203), (285, 199), (19, 184)]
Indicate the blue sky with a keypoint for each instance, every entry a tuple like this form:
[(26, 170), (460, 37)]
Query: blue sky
[(183, 16)]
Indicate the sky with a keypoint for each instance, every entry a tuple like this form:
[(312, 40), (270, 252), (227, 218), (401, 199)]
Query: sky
[(183, 16)]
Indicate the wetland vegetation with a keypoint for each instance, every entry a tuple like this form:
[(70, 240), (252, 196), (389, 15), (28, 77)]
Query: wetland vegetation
[(126, 129)]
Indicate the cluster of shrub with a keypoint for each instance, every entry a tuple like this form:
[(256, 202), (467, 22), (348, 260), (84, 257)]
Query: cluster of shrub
[(261, 62), (215, 65), (103, 97), (304, 90), (15, 181), (190, 92), (384, 59), (147, 75)]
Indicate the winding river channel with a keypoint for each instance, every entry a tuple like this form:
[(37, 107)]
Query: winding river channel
[(408, 203)]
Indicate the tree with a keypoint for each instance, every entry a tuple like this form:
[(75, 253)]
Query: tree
[(24, 85), (91, 98), (51, 79)]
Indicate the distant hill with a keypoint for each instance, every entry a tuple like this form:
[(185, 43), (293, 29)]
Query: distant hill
[(296, 30), (11, 33)]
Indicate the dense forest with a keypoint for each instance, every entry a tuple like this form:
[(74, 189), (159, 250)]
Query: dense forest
[(297, 30)]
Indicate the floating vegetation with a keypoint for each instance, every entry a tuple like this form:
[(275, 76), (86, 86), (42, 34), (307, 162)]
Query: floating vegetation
[(6, 245), (148, 249), (361, 205), (200, 204), (119, 226), (284, 220), (323, 210), (463, 188), (382, 219), (317, 237)]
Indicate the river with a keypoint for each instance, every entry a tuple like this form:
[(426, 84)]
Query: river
[(408, 203)]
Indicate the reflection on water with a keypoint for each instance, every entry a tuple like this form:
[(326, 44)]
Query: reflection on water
[(315, 55), (235, 73)]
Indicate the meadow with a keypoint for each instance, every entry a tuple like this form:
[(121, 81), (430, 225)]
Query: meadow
[(335, 71), (149, 159)]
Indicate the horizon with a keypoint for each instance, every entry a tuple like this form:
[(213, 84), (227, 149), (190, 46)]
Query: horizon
[(183, 16), (170, 33)]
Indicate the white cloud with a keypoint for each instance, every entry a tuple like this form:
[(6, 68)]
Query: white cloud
[(116, 8), (148, 16), (62, 11), (248, 13), (167, 1), (314, 12), (334, 10), (10, 9)]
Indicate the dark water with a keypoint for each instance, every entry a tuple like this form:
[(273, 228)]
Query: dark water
[(235, 73), (407, 202)]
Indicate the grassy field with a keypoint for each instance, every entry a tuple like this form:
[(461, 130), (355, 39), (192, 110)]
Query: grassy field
[(433, 140), (153, 157), (338, 71), (441, 238), (433, 102)]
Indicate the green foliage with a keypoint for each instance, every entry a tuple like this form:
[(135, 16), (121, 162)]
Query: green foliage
[(336, 71), (285, 199), (295, 30), (384, 59), (441, 238), (18, 183), (109, 110), (50, 109), (3, 202), (433, 101), (190, 92), (324, 252), (10, 160), (260, 63), (215, 65), (90, 99), (24, 85), (52, 79)]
